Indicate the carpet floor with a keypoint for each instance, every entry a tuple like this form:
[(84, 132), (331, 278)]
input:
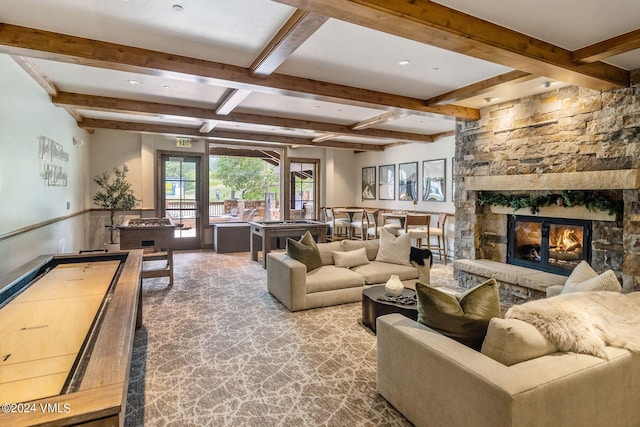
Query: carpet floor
[(217, 349)]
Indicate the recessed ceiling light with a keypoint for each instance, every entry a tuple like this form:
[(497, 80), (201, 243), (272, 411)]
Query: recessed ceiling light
[(404, 62), (316, 107), (133, 82), (166, 86), (546, 84), (177, 8), (488, 99), (435, 69)]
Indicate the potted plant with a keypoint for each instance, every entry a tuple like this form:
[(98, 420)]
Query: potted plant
[(115, 194)]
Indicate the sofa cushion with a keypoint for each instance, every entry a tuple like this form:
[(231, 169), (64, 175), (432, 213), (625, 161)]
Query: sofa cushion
[(330, 277), (326, 251), (371, 246), (511, 341), (350, 258), (395, 250), (606, 281), (463, 316), (379, 272), (306, 251)]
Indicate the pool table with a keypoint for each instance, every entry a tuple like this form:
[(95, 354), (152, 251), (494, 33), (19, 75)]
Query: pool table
[(262, 233)]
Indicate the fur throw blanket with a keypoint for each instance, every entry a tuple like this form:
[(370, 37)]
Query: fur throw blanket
[(584, 322)]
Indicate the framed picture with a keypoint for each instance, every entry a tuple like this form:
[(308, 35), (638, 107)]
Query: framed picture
[(387, 182), (434, 180), (453, 179), (369, 183), (408, 181)]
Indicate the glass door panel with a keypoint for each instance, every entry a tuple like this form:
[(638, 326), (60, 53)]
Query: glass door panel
[(180, 179)]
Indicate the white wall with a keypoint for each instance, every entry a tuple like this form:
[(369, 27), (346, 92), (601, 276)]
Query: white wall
[(442, 149), (26, 114)]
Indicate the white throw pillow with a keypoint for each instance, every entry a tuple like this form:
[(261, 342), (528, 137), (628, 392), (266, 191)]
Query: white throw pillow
[(394, 250), (350, 258), (607, 281)]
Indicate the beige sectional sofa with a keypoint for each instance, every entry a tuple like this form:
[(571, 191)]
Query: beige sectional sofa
[(436, 381), (289, 281)]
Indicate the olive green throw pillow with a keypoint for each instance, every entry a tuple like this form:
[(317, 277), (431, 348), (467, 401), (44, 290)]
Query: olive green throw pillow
[(306, 251), (463, 317)]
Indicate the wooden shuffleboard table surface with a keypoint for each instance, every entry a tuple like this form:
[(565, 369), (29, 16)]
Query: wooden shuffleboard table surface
[(43, 329)]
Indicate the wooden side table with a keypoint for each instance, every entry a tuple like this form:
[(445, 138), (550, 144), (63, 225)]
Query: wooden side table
[(374, 307)]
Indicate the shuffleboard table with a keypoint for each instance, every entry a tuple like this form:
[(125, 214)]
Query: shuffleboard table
[(67, 324), (262, 233)]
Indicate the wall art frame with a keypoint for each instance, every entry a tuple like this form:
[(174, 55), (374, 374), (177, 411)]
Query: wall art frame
[(369, 183), (386, 182), (434, 180), (408, 181)]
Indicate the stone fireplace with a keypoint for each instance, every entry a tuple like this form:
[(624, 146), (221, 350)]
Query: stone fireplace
[(567, 139)]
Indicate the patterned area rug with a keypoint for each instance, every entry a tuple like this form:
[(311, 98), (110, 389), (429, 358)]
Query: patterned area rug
[(218, 349)]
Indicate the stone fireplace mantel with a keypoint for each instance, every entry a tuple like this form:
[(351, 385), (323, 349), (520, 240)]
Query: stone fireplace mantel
[(573, 212), (621, 179)]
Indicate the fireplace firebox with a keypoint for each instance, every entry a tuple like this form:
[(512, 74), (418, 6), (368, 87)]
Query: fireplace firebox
[(555, 245)]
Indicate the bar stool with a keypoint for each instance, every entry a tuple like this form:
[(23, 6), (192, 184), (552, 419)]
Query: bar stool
[(417, 226), (440, 233)]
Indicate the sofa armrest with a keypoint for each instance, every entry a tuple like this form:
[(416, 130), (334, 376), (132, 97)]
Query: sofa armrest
[(434, 380), (287, 280), (554, 290)]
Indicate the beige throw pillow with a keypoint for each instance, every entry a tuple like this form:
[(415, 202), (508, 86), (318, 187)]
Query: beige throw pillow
[(607, 281), (583, 278), (511, 341), (394, 250), (580, 273), (351, 258)]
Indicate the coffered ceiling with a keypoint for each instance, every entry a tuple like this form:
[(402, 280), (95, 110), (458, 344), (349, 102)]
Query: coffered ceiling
[(353, 74)]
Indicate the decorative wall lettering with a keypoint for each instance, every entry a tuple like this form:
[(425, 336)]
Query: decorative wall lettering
[(53, 162)]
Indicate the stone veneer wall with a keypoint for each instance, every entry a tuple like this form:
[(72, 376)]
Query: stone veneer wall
[(567, 130)]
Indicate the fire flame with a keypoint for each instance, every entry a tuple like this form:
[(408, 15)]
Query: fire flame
[(569, 240)]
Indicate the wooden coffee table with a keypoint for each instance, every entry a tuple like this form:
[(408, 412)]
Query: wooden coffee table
[(374, 307)]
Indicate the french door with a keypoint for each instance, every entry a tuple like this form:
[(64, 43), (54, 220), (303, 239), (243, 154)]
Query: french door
[(180, 196)]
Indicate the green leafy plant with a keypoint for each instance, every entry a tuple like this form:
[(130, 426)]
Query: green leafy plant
[(592, 200), (115, 194)]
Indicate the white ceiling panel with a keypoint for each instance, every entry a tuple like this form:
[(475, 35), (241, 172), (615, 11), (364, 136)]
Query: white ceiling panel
[(305, 109), (571, 24), (228, 31), (419, 124), (356, 56), (104, 82)]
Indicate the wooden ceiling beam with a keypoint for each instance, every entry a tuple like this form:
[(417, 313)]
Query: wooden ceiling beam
[(379, 119), (298, 28), (36, 72), (482, 87), (431, 23), (607, 48), (16, 40), (220, 135), (102, 103), (231, 99)]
